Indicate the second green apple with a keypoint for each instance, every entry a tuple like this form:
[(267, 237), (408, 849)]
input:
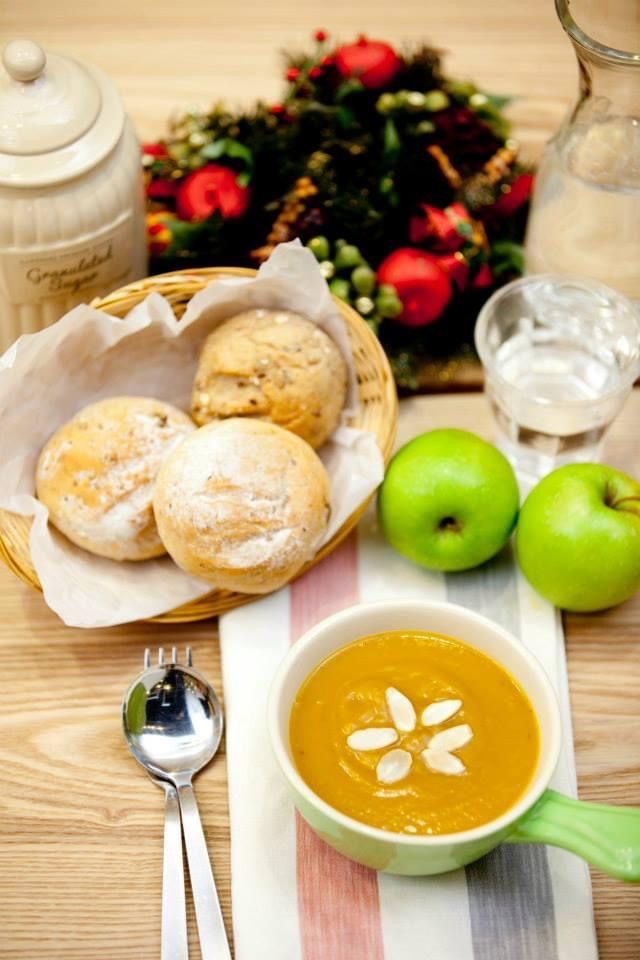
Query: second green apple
[(578, 539)]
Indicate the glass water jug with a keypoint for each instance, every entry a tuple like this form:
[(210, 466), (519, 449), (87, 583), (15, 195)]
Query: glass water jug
[(585, 214)]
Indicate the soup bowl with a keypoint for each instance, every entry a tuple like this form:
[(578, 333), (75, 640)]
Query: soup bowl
[(606, 836)]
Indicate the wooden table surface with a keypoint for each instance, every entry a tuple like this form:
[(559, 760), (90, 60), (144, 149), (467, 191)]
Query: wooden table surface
[(81, 827), (168, 54), (81, 824)]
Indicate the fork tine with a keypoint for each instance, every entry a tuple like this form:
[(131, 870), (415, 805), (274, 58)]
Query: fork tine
[(147, 658), (160, 656), (189, 657), (174, 655)]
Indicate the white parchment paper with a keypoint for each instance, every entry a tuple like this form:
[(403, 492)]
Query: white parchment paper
[(47, 377)]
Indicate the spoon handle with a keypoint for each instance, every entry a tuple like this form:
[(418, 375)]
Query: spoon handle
[(213, 938), (174, 910)]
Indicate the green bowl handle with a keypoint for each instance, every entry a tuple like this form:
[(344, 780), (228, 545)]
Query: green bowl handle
[(607, 837)]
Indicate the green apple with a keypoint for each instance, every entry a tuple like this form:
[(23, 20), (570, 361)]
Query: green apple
[(449, 500), (578, 538)]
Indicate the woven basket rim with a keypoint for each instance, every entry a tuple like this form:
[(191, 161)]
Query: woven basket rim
[(14, 528)]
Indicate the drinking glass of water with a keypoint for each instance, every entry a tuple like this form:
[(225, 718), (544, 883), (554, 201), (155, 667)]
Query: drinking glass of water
[(560, 355)]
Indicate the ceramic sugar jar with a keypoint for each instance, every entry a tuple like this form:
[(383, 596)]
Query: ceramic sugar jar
[(71, 192)]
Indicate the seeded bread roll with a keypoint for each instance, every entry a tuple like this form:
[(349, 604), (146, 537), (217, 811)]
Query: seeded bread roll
[(243, 504), (275, 366), (96, 474)]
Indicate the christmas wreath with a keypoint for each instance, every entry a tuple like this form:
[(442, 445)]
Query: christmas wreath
[(403, 182)]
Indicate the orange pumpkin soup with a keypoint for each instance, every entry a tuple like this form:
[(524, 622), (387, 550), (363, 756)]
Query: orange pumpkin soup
[(414, 733)]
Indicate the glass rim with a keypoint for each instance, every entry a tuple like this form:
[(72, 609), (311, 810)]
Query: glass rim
[(627, 377), (577, 34)]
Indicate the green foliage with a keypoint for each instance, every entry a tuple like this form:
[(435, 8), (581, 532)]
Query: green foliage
[(507, 259)]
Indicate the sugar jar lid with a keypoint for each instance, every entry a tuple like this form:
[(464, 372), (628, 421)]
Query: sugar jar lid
[(58, 117)]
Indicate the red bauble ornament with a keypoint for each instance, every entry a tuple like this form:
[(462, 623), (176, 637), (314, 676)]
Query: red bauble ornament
[(514, 196), (439, 229), (372, 62), (154, 149), (292, 74), (162, 188), (320, 36), (434, 227), (315, 73), (483, 278), (211, 189), (456, 267), (422, 285)]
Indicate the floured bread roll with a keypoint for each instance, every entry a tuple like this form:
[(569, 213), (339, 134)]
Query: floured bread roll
[(272, 365), (96, 474), (243, 504)]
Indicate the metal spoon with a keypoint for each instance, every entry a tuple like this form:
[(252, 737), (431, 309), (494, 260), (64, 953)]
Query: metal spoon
[(173, 724)]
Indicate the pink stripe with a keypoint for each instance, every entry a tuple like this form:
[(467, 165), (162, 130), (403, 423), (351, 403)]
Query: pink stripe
[(338, 902)]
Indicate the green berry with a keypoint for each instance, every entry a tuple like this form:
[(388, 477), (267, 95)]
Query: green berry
[(461, 89), (388, 289), (425, 127), (478, 100), (319, 247), (436, 100), (364, 280), (365, 306), (327, 269), (416, 100), (389, 305), (348, 256), (197, 139), (386, 103), (340, 288)]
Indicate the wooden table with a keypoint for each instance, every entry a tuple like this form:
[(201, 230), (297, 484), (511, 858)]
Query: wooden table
[(81, 825), (169, 54)]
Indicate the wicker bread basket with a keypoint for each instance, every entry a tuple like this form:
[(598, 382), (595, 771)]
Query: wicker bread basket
[(377, 412)]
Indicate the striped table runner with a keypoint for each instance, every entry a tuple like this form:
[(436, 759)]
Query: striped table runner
[(293, 897)]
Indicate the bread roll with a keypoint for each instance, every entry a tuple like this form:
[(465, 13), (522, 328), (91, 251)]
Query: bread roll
[(275, 366), (242, 504), (96, 474)]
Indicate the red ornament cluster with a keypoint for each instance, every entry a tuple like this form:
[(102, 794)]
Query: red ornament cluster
[(156, 150), (442, 232), (212, 189), (514, 196), (372, 62), (425, 280), (420, 282), (440, 229)]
